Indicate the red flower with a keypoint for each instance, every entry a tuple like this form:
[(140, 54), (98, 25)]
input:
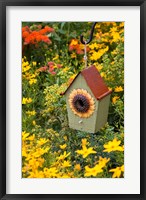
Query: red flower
[(71, 48), (59, 66), (50, 63), (79, 51), (51, 68), (43, 69), (52, 72)]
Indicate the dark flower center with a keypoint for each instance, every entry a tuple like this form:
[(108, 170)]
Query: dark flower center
[(81, 103)]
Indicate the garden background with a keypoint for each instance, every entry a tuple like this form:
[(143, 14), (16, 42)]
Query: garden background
[(52, 56)]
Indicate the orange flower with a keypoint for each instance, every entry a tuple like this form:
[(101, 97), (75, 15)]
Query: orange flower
[(33, 37), (49, 29), (78, 47), (25, 34)]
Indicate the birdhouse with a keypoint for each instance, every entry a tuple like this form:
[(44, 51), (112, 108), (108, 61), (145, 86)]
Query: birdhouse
[(87, 100)]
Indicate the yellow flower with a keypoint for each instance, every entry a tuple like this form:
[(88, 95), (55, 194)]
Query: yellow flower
[(25, 68), (85, 152), (25, 135), (84, 142), (121, 24), (71, 175), (40, 151), (56, 57), (24, 153), (116, 36), (66, 69), (34, 122), (102, 161), (65, 138), (97, 26), (93, 46), (36, 174), (78, 167), (34, 63), (32, 81), (98, 66), (110, 88), (24, 64), (31, 113), (26, 100), (74, 42), (73, 55), (63, 156), (113, 146), (31, 138), (42, 141), (50, 172), (117, 171), (114, 99), (64, 176), (92, 171), (113, 29), (103, 74), (97, 55), (34, 163), (66, 164), (63, 146), (41, 161), (118, 89), (26, 168)]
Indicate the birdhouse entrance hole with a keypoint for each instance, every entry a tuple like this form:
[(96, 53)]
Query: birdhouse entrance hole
[(81, 104)]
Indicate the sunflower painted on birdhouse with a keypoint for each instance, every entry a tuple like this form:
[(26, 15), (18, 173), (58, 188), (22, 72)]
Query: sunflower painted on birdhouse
[(87, 100)]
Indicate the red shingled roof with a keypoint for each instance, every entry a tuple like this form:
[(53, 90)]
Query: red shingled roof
[(94, 81)]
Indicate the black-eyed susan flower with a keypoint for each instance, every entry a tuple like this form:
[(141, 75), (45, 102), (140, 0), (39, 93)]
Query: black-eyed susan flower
[(81, 103)]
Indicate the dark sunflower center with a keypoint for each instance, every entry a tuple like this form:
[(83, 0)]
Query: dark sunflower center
[(81, 103)]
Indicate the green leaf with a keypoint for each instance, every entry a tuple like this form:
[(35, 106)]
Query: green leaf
[(62, 24), (61, 31)]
